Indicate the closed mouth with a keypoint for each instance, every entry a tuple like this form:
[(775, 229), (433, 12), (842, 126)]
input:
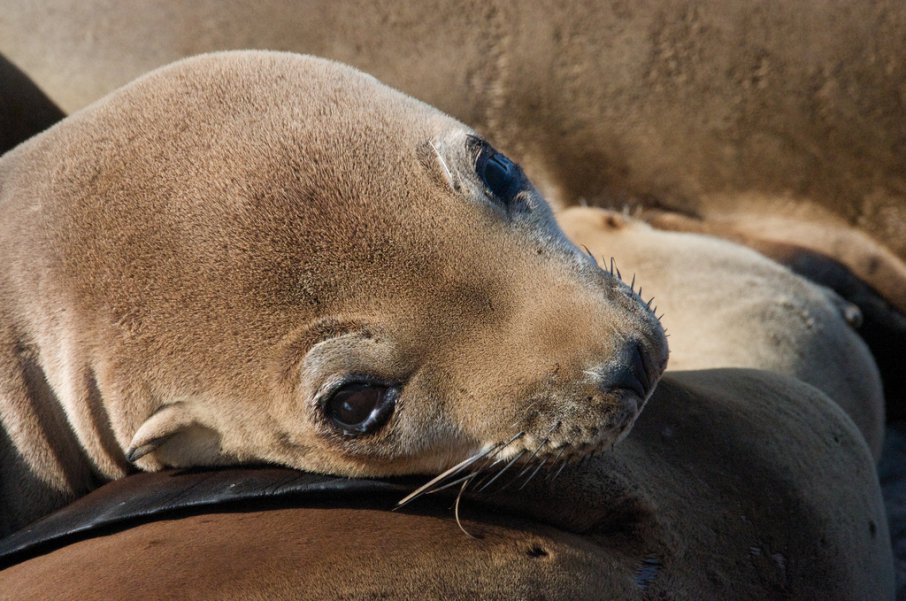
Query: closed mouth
[(636, 375)]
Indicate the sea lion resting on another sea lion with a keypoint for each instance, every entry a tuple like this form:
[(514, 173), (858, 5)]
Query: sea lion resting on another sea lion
[(733, 484), (264, 257), (725, 305)]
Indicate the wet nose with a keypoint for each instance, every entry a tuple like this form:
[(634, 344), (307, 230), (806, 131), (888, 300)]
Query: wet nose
[(634, 372)]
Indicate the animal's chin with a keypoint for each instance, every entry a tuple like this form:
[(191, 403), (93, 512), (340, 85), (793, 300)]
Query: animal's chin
[(516, 461), (586, 438), (571, 450), (566, 443)]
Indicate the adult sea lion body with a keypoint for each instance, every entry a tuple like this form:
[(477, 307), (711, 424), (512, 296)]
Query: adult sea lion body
[(264, 257), (725, 305)]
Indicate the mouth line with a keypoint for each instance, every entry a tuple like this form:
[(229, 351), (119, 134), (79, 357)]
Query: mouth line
[(636, 388)]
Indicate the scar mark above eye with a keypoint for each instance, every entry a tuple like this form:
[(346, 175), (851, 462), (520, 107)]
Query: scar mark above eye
[(448, 175)]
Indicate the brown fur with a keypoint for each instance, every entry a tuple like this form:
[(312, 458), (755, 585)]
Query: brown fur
[(883, 326), (192, 262), (725, 305), (782, 119), (731, 486)]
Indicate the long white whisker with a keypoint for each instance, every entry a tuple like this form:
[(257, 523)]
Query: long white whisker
[(456, 511), (533, 474), (455, 470), (544, 442), (503, 470), (554, 462), (440, 477)]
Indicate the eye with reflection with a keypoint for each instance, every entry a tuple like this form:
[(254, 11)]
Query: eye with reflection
[(502, 177), (360, 408)]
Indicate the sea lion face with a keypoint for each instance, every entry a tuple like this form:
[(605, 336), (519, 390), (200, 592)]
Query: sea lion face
[(489, 328), (276, 258)]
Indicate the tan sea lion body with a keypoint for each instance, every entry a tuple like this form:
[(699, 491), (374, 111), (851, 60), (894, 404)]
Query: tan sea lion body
[(782, 121), (725, 305), (264, 257)]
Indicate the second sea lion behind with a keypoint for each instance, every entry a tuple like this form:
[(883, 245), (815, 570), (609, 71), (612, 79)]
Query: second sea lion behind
[(724, 305)]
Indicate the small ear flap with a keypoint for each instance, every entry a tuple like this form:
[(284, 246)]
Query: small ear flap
[(165, 423)]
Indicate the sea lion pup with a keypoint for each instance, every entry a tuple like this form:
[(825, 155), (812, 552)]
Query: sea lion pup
[(721, 112), (724, 110), (725, 305), (718, 111), (265, 257)]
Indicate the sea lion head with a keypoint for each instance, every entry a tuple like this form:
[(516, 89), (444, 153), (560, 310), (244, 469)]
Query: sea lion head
[(269, 257)]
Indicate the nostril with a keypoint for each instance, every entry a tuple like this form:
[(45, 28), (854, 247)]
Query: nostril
[(639, 365)]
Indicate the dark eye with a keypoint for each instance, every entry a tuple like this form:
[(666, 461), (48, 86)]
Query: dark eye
[(360, 408), (502, 176)]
